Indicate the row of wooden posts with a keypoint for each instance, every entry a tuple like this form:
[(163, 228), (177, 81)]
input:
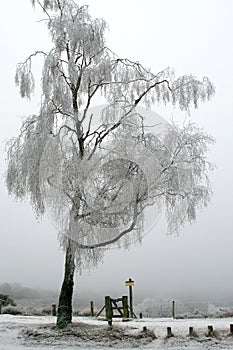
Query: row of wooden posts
[(210, 331)]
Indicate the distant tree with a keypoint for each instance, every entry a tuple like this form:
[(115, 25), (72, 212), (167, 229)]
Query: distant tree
[(97, 175), (5, 300)]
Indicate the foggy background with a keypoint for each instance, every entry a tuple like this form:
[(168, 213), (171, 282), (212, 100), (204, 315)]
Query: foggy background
[(193, 37)]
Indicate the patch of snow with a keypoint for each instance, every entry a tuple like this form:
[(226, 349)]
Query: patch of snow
[(11, 338)]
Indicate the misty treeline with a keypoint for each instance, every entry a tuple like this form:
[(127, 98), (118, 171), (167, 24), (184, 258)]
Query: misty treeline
[(162, 307), (17, 291)]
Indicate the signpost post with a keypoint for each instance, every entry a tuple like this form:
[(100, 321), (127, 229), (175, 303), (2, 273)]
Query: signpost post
[(130, 284)]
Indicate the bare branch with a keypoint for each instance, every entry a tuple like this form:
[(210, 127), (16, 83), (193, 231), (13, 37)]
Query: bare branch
[(43, 8), (115, 239), (68, 128)]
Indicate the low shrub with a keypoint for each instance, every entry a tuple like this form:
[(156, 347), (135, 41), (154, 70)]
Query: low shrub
[(11, 310)]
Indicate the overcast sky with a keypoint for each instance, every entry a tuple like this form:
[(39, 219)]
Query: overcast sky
[(192, 36)]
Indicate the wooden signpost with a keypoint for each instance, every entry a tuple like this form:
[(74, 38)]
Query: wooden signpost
[(130, 284)]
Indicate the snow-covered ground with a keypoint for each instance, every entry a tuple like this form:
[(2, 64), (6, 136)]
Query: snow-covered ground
[(12, 326)]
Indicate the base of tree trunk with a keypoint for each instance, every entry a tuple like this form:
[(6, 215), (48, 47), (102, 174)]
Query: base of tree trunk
[(64, 312)]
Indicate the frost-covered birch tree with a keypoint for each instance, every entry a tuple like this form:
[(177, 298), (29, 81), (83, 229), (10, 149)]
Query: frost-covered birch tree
[(97, 174)]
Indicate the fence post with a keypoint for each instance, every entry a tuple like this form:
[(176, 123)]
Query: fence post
[(108, 308), (173, 308), (0, 307), (231, 328), (54, 311), (191, 331), (92, 308), (140, 315), (169, 332), (210, 331), (125, 306)]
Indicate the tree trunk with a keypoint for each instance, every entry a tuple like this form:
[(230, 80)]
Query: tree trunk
[(64, 315)]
